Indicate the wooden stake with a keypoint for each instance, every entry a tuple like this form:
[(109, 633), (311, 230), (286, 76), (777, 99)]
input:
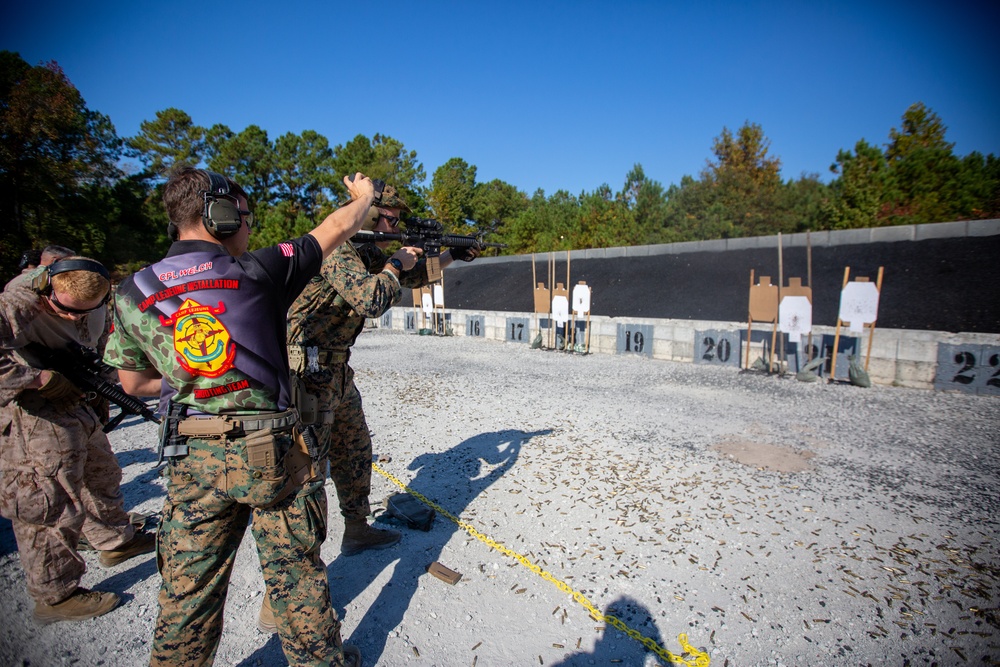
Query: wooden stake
[(836, 337), (746, 366), (781, 282), (871, 332), (809, 282)]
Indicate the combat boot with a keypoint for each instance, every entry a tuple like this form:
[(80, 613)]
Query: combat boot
[(141, 543), (359, 536), (352, 656), (267, 625), (79, 606)]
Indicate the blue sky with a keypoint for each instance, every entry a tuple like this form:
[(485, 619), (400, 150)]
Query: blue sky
[(551, 95)]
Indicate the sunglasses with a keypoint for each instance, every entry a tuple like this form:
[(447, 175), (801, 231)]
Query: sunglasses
[(77, 311), (392, 220), (251, 221)]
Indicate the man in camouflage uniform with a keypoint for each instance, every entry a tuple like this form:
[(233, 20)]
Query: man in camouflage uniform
[(58, 476), (205, 329), (355, 283)]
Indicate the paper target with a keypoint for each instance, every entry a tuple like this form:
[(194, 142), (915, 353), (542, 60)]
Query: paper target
[(858, 305), (560, 309), (795, 317), (581, 299)]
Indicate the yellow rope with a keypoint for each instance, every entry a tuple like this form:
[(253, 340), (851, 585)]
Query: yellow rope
[(697, 659)]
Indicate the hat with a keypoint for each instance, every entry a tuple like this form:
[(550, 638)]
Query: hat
[(391, 199)]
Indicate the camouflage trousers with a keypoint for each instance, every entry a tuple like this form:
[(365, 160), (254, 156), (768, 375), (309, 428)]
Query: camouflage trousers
[(341, 423), (58, 479), (212, 494)]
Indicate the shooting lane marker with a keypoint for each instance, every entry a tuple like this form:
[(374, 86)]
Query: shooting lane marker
[(635, 339), (971, 369), (716, 347), (475, 326), (698, 658)]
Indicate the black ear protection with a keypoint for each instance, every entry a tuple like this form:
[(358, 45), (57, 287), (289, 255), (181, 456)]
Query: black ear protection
[(221, 215), (42, 283)]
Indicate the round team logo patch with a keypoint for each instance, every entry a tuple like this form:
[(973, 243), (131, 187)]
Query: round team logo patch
[(202, 342)]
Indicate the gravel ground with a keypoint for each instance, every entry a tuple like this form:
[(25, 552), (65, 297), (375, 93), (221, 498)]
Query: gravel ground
[(770, 521)]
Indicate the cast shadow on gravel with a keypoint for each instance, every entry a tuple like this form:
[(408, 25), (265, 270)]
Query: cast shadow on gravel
[(615, 646), (452, 479)]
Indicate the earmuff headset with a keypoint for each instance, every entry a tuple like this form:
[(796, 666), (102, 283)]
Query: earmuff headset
[(221, 215), (42, 283), (373, 215)]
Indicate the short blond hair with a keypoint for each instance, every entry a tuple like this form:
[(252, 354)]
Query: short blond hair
[(81, 285)]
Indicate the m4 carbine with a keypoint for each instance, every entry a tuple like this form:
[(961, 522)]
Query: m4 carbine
[(428, 235), (83, 367)]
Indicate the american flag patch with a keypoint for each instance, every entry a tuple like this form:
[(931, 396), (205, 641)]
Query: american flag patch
[(287, 249)]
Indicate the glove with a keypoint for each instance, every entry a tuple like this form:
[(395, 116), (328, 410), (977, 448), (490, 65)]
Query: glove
[(102, 407), (465, 254), (60, 390)]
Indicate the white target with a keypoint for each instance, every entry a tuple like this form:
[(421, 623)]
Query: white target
[(859, 305), (427, 303), (581, 299), (560, 309), (795, 317)]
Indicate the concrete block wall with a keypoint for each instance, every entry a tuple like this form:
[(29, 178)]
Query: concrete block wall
[(897, 357)]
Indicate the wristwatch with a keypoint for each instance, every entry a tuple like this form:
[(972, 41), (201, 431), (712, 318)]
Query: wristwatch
[(396, 264)]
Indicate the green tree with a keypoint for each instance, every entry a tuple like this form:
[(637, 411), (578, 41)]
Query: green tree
[(56, 156), (304, 171), (605, 221), (172, 138), (248, 157), (380, 157), (856, 197), (647, 201), (921, 129), (451, 192), (745, 180), (494, 205)]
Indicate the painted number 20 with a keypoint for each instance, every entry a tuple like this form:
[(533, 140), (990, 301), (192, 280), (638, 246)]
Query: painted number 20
[(723, 349)]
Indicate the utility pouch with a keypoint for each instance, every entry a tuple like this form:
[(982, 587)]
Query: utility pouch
[(267, 480), (261, 449)]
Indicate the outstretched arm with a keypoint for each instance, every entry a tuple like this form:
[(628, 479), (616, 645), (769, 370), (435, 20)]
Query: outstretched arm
[(343, 223)]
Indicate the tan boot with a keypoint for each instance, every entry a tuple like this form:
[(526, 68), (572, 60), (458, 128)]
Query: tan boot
[(265, 620), (79, 606), (359, 536), (141, 543)]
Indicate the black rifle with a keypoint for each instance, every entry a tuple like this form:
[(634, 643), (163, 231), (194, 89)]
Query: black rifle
[(428, 235), (83, 367)]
